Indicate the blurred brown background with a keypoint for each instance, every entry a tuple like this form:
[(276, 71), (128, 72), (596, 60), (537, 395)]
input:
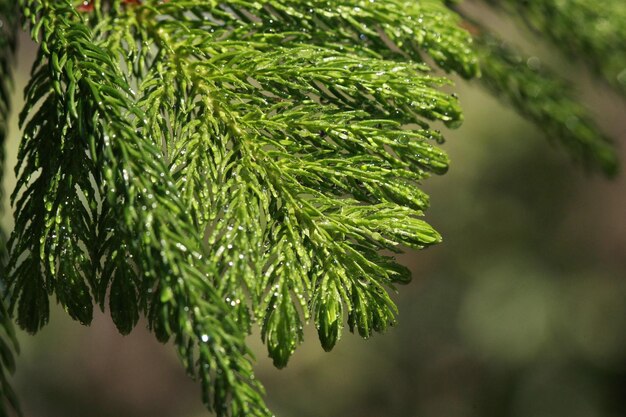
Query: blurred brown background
[(521, 312)]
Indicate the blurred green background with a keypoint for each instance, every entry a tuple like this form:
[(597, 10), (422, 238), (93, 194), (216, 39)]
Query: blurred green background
[(521, 312)]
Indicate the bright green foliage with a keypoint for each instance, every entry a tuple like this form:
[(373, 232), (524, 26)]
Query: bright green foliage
[(211, 165), (591, 30), (104, 186), (253, 175)]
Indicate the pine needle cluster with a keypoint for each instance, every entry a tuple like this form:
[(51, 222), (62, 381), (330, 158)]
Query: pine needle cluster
[(210, 165)]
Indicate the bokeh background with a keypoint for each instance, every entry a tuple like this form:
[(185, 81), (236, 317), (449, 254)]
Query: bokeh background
[(521, 312)]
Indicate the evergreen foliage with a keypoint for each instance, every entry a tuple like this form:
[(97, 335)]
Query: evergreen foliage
[(210, 165), (545, 99), (584, 29)]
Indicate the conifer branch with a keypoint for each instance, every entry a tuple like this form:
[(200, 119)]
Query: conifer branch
[(281, 117), (544, 98), (94, 156), (255, 175), (585, 29), (214, 164)]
